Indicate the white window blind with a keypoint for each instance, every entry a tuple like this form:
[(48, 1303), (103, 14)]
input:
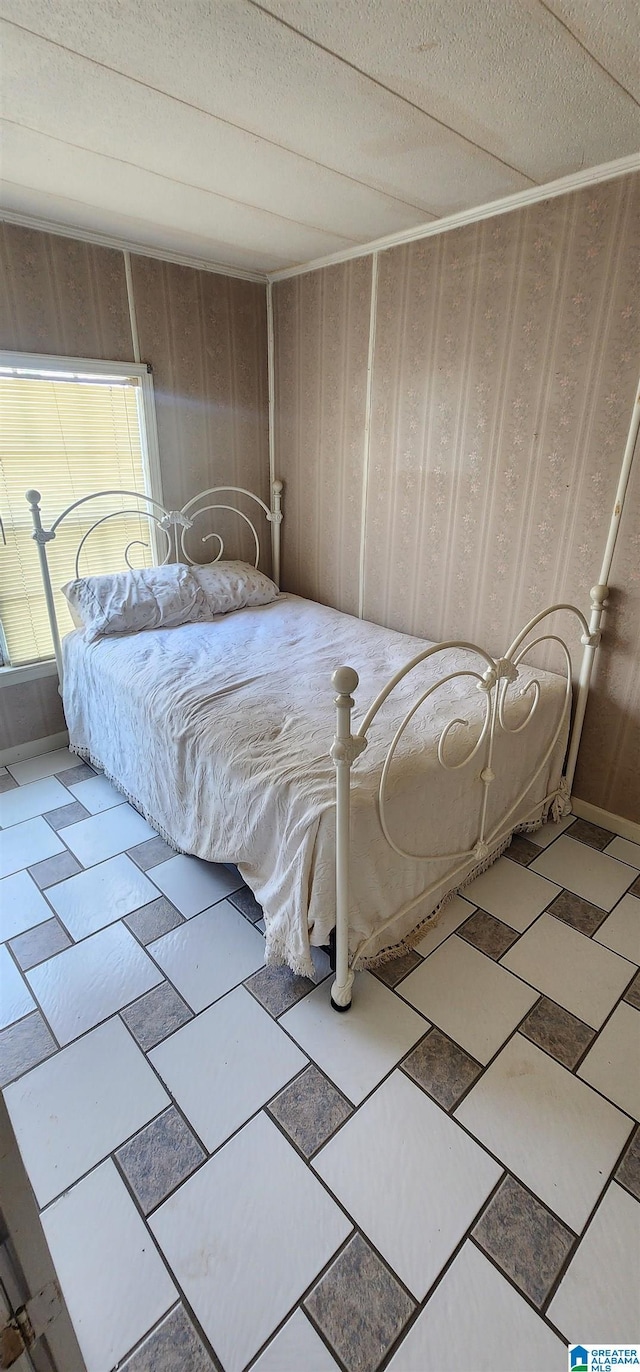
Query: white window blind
[(67, 436)]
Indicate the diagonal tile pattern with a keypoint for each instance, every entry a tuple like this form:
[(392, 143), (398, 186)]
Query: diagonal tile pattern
[(512, 1026)]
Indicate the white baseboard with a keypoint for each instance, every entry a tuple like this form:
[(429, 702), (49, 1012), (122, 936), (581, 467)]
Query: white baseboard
[(22, 751), (626, 828)]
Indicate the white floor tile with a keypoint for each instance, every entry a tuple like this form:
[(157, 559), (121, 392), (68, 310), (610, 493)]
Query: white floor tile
[(512, 893), (475, 1319), (245, 1237), (225, 1064), (102, 836), (92, 980), (598, 1294), (583, 870), (625, 850), (75, 1108), (115, 1283), (467, 995), (26, 844), (209, 954), (410, 1177), (97, 794), (15, 1001), (613, 1064), (547, 1127), (25, 802), (449, 919), (297, 1348), (43, 766), (355, 1050), (621, 929), (192, 885), (550, 831), (21, 905), (570, 968), (101, 895)]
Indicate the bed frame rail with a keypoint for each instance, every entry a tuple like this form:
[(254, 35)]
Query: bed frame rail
[(494, 678)]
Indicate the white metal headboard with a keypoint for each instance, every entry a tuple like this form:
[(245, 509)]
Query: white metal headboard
[(174, 524)]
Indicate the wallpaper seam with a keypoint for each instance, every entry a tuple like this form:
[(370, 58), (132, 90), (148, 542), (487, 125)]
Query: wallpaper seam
[(373, 306)]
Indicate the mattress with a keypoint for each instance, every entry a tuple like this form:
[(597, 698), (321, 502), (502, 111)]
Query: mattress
[(220, 734)]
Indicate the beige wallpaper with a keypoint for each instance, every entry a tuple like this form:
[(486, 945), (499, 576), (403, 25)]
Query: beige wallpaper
[(63, 297), (505, 361), (205, 338), (321, 323)]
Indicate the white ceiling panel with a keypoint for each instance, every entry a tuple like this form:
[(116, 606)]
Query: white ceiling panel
[(272, 133), (507, 75), (27, 160), (609, 30), (242, 65), (55, 92)]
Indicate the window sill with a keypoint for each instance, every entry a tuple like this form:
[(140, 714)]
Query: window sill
[(31, 671)]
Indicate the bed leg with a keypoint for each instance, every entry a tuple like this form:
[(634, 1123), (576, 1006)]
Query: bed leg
[(344, 751)]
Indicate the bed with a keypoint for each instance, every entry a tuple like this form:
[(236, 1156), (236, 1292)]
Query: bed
[(220, 733)]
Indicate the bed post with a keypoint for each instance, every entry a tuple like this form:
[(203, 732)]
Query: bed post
[(598, 605), (344, 751), (276, 521), (42, 537)]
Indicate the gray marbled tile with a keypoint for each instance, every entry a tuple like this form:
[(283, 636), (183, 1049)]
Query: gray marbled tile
[(628, 1173), (591, 834), (174, 1346), (159, 1158), (152, 1018), (632, 995), (40, 943), (75, 774), (7, 782), (245, 901), (489, 934), (154, 919), (278, 988), (23, 1046), (561, 1034), (524, 1239), (65, 815), (54, 869), (522, 850), (310, 1110), (360, 1307), (635, 889), (579, 913), (392, 972), (150, 853), (441, 1068)]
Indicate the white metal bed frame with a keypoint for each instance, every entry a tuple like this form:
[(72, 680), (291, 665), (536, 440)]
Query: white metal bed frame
[(493, 678)]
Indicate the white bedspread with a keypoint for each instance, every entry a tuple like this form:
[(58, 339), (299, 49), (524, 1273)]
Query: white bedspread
[(220, 733)]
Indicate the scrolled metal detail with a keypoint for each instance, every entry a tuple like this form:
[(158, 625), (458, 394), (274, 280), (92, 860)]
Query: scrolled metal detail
[(173, 519), (347, 749)]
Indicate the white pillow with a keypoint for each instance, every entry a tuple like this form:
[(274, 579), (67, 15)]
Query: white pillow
[(232, 585), (124, 602)]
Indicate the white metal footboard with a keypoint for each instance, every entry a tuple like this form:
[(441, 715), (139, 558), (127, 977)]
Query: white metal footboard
[(493, 677)]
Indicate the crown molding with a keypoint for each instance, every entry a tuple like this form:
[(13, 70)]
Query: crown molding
[(592, 176), (105, 240)]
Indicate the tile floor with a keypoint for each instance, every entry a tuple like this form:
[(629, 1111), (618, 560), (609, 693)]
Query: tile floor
[(231, 1176)]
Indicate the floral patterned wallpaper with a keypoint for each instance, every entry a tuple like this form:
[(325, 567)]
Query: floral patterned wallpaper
[(504, 371)]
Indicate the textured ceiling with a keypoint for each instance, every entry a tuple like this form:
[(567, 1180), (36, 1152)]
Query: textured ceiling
[(263, 135)]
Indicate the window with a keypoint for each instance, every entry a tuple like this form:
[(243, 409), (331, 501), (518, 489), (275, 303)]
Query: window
[(68, 428)]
